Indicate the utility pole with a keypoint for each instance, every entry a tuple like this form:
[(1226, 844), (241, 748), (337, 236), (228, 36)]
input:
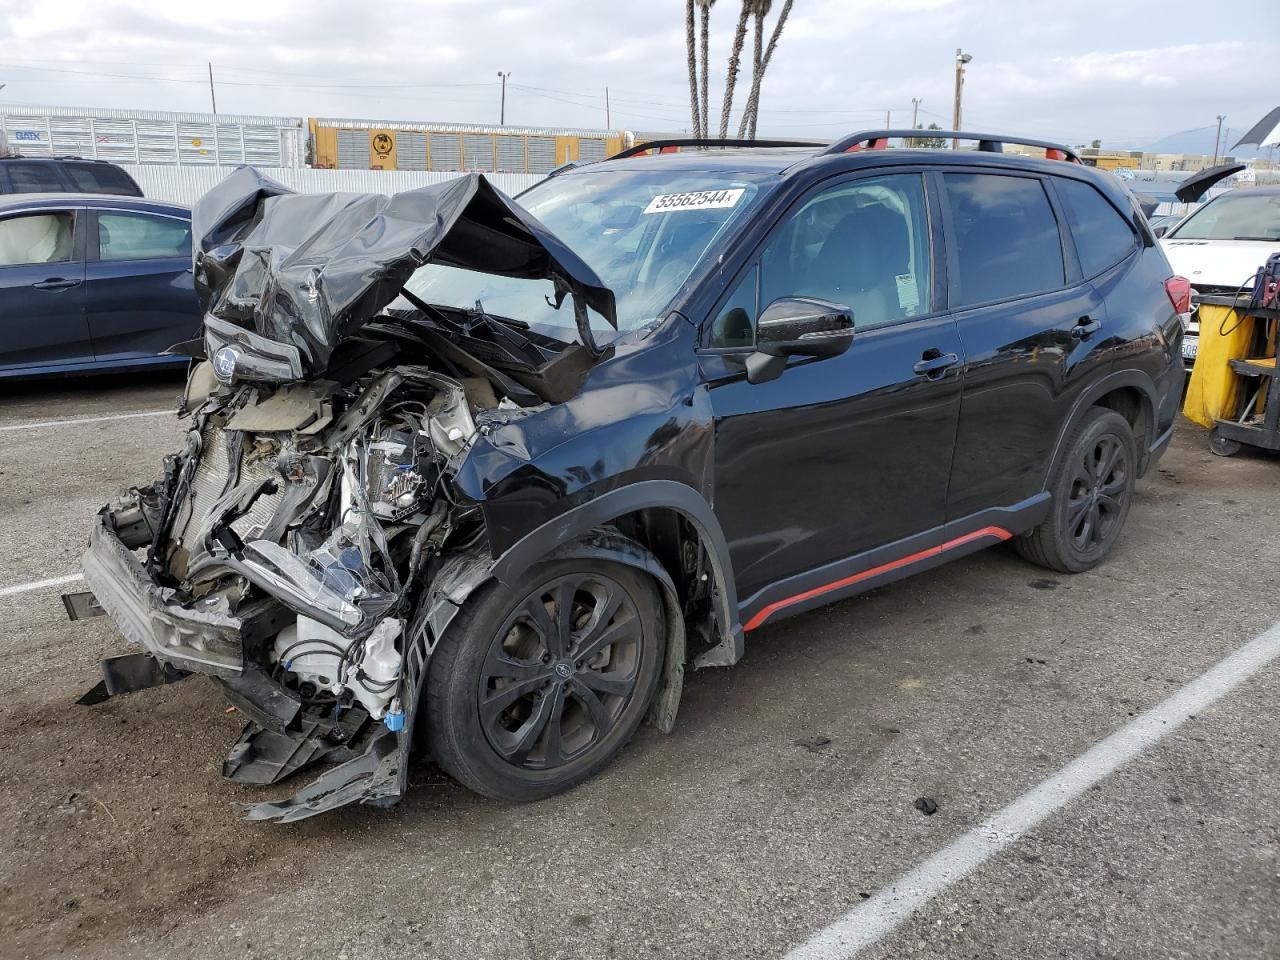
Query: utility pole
[(1216, 137), (962, 58), (502, 115), (888, 119), (915, 109), (608, 124), (212, 99)]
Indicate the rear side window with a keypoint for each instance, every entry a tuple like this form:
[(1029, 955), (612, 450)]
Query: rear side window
[(1006, 237), (140, 236), (1103, 237), (101, 178), (33, 178)]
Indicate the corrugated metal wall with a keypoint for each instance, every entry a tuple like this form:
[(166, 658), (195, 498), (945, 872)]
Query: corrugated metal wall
[(189, 184), (136, 136)]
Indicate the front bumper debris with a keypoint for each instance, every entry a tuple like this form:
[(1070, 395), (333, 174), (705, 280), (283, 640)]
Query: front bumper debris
[(192, 640)]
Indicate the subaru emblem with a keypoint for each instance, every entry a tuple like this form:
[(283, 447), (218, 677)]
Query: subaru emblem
[(224, 363)]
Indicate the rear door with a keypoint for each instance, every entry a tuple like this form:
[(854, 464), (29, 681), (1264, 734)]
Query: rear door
[(1032, 328), (841, 455), (140, 295), (42, 319)]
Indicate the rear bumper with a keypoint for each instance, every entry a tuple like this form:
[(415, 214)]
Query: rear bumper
[(145, 614)]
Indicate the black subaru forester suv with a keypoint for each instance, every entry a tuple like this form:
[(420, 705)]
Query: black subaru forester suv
[(480, 477)]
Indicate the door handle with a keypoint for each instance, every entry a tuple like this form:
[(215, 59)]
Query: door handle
[(56, 283), (934, 362), (1085, 327)]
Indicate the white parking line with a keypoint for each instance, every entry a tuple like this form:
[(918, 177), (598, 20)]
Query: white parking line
[(39, 585), (75, 420), (875, 918)]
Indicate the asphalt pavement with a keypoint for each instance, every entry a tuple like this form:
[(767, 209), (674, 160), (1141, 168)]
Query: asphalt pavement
[(785, 798)]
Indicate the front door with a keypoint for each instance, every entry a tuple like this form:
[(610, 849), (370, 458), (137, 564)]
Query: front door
[(141, 297), (42, 319), (841, 455)]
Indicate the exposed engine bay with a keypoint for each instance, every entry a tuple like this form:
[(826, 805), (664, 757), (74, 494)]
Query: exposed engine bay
[(309, 519), (302, 545)]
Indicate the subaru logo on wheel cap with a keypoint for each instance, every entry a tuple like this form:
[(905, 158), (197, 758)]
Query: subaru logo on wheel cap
[(224, 363)]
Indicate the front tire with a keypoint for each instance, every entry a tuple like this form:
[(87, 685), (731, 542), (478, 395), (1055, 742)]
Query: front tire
[(534, 688), (1092, 489)]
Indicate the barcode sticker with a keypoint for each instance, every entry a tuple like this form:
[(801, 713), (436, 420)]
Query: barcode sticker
[(908, 294), (698, 200)]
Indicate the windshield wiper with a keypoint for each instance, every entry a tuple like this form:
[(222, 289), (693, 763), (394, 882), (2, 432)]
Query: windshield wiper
[(1268, 239)]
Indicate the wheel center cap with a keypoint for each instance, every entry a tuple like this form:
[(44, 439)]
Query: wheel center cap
[(564, 669)]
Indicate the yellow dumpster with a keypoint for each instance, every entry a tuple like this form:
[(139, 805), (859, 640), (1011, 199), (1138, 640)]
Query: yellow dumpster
[(1224, 335)]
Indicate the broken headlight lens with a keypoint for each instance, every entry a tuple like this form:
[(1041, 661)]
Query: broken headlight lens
[(240, 354)]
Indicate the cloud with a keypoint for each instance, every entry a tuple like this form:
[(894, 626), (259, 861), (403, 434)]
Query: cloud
[(1093, 68)]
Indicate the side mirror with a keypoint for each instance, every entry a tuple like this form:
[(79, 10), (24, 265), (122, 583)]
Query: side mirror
[(798, 327), (1161, 230)]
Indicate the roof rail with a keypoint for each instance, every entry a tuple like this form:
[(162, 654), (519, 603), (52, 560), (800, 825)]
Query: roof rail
[(987, 142), (668, 146)]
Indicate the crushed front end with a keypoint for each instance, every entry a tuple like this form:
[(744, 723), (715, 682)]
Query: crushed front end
[(306, 545), (285, 552)]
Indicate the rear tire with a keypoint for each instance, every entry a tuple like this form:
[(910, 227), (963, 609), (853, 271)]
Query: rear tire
[(1092, 488), (534, 688)]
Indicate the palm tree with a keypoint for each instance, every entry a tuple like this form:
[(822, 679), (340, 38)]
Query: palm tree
[(731, 72), (691, 49), (704, 121), (761, 62)]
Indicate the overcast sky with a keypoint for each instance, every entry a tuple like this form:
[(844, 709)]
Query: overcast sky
[(1119, 71)]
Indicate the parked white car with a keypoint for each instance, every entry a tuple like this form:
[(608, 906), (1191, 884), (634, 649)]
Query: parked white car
[(1220, 247)]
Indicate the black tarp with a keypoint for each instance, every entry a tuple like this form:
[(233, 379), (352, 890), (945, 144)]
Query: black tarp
[(310, 269), (1197, 185)]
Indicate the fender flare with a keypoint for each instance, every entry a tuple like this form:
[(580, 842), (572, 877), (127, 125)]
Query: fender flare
[(606, 544), (644, 494), (1113, 381)]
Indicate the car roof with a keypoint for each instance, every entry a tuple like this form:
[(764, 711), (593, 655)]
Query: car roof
[(13, 201), (795, 161)]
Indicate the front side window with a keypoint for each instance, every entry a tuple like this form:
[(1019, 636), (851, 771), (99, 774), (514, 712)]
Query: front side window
[(1103, 237), (863, 244), (36, 238), (140, 236), (1006, 238), (642, 231)]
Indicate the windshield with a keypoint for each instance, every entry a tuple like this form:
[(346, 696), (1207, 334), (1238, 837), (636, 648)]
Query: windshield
[(1238, 215), (643, 232)]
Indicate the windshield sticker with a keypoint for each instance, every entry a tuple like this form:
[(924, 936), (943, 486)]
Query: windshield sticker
[(698, 200), (908, 295)]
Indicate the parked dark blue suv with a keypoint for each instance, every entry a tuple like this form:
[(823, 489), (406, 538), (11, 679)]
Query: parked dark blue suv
[(492, 473)]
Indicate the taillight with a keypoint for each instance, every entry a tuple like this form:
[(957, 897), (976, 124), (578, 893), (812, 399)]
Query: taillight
[(1179, 291)]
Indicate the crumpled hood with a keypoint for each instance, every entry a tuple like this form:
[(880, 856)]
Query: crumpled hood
[(307, 270)]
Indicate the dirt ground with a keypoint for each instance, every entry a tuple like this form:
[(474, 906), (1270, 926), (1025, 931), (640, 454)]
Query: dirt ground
[(783, 796)]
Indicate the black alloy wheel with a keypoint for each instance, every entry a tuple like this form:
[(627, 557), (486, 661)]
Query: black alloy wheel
[(1091, 488), (560, 671), (538, 684), (1099, 492)]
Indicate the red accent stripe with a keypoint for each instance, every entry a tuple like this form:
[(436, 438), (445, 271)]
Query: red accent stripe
[(767, 611)]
